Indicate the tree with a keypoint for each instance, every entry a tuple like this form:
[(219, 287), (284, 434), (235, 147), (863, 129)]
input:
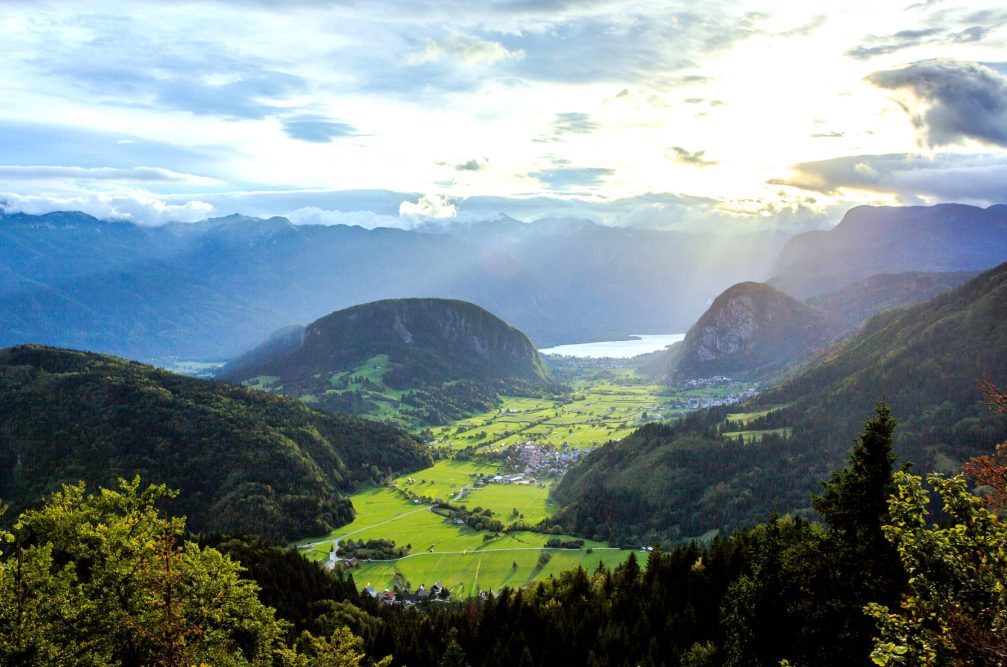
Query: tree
[(106, 579), (956, 609)]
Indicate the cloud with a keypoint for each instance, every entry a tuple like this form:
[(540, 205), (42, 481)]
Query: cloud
[(574, 123), (980, 179), (141, 208), (135, 174), (27, 143), (875, 45), (695, 159), (950, 101), (319, 129), (475, 164), (560, 178), (430, 207), (464, 50)]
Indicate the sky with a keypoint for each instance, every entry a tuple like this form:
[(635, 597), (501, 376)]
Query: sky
[(711, 116)]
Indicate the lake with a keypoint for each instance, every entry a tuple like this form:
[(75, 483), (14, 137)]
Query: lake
[(620, 349)]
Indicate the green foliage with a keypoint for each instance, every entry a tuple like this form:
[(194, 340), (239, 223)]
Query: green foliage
[(422, 361), (105, 579), (955, 609), (243, 460), (682, 481)]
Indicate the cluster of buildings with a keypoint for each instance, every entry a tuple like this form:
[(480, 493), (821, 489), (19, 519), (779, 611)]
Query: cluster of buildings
[(422, 594), (536, 460), (697, 402)]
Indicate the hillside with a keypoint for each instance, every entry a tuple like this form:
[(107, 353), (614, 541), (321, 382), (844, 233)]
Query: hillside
[(686, 479), (243, 460), (210, 290), (750, 332), (430, 359), (855, 304), (871, 240)]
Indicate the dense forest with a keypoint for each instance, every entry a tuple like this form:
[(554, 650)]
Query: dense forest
[(107, 579), (242, 459), (673, 482)]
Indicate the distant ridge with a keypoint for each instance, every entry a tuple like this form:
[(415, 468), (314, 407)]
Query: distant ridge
[(872, 240)]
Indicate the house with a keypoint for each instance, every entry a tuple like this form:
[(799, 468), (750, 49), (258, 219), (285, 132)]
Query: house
[(388, 597), (352, 562)]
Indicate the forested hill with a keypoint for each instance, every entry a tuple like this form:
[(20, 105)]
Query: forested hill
[(242, 459), (685, 479), (751, 331), (438, 356)]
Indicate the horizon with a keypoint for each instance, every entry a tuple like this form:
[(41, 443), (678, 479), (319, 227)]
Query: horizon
[(710, 117)]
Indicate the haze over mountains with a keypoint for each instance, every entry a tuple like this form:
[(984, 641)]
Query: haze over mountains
[(214, 289)]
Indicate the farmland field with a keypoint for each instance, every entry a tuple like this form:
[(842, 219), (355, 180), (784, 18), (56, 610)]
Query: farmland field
[(467, 560)]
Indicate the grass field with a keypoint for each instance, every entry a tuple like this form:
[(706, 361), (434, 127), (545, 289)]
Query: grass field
[(464, 559), (592, 415), (468, 560)]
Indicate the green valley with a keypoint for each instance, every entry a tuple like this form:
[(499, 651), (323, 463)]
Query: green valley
[(443, 516)]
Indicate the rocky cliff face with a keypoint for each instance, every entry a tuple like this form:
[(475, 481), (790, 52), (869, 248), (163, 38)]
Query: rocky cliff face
[(749, 332)]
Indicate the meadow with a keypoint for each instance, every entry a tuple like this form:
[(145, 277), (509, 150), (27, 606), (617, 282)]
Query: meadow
[(464, 559), (596, 410)]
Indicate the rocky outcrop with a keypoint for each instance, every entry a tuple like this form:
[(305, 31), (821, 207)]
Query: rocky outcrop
[(750, 332)]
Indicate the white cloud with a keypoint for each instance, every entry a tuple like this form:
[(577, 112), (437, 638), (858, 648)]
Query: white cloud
[(141, 208), (465, 50), (430, 207), (135, 174)]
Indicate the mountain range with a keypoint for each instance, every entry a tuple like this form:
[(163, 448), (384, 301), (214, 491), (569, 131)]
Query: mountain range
[(211, 290)]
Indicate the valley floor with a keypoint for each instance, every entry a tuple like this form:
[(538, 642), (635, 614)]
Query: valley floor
[(529, 440)]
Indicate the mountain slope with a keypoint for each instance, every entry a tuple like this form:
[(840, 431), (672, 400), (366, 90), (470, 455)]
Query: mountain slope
[(437, 353), (872, 240), (243, 460), (856, 303), (751, 331), (685, 479)]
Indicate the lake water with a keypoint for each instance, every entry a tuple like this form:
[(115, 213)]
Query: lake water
[(620, 349)]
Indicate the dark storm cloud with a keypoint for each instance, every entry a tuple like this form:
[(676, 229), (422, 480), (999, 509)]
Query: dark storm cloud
[(962, 100)]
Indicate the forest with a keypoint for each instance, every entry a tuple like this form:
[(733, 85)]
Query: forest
[(108, 578)]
